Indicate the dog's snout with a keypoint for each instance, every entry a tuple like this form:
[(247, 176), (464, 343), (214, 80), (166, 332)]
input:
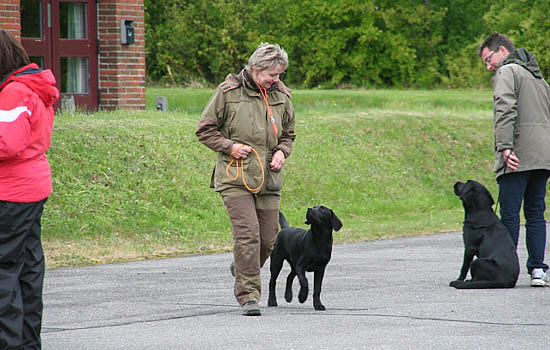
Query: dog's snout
[(316, 209)]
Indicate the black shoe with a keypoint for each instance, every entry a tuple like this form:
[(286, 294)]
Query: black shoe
[(251, 308)]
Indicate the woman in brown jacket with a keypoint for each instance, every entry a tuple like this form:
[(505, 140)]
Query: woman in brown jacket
[(249, 121)]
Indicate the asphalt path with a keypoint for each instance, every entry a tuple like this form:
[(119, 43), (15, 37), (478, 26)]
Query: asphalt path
[(386, 294)]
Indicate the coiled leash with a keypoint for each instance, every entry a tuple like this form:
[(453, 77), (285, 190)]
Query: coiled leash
[(241, 165)]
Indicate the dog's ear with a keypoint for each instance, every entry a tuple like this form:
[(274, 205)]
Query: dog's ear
[(489, 197), (336, 223)]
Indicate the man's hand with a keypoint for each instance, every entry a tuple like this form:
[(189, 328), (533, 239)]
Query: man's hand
[(510, 159)]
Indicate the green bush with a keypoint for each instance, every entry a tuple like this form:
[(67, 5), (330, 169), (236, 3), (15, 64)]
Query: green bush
[(361, 43)]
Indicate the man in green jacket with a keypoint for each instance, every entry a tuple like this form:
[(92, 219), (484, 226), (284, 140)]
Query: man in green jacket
[(522, 144)]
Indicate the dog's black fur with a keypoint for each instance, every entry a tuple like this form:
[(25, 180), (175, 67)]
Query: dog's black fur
[(305, 251), (497, 264)]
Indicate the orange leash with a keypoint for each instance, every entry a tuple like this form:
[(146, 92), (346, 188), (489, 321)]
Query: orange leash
[(264, 95), (242, 169)]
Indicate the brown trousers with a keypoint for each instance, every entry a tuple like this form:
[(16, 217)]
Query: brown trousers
[(254, 224)]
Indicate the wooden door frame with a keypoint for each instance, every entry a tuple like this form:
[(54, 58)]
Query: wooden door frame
[(52, 48), (42, 47)]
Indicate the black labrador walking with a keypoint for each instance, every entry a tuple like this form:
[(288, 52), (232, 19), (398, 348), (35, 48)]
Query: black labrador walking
[(305, 251)]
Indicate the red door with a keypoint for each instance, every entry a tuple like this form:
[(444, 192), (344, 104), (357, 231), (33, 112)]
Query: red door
[(62, 35)]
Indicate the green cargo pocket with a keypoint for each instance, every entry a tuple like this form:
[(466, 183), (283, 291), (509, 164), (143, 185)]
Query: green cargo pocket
[(274, 180), (252, 172), (226, 170)]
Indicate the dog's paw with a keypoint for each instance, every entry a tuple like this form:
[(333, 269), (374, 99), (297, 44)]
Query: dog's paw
[(455, 283), (319, 306), (271, 302), (288, 295), (303, 294)]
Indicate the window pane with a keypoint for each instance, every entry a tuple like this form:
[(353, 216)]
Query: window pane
[(31, 19), (39, 60), (73, 20), (75, 75)]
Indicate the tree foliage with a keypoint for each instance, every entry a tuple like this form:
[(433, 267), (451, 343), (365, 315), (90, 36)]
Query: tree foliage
[(338, 43)]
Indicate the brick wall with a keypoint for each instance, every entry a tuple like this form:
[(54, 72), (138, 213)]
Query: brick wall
[(121, 67), (10, 20)]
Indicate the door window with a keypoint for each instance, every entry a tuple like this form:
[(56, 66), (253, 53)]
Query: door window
[(39, 60), (74, 75), (73, 20), (31, 19)]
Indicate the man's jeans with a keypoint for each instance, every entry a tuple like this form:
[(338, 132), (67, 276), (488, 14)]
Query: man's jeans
[(529, 187)]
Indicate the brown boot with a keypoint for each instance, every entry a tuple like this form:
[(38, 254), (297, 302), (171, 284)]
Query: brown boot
[(251, 308)]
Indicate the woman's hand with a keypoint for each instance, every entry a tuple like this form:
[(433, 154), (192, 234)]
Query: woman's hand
[(240, 151), (278, 161)]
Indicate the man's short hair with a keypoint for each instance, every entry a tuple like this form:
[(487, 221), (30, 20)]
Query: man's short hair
[(494, 41)]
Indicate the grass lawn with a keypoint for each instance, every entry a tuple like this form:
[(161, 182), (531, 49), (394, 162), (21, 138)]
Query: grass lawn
[(135, 184)]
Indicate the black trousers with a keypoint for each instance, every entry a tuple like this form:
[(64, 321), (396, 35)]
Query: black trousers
[(22, 271)]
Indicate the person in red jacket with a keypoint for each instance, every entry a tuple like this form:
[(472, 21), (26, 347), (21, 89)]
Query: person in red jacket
[(27, 95)]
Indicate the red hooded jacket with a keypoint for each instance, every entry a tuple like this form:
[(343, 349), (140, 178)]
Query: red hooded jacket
[(26, 122)]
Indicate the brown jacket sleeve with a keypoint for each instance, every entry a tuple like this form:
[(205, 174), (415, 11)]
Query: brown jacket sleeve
[(288, 136), (208, 131)]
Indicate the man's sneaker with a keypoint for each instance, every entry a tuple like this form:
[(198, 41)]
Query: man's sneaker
[(538, 278), (251, 308)]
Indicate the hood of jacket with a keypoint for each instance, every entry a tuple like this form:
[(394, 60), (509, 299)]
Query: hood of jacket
[(525, 59), (40, 81)]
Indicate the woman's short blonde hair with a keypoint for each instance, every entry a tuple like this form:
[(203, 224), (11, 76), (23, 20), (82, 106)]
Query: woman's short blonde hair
[(267, 56)]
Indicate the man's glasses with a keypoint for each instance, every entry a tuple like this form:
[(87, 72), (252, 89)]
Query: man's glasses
[(488, 58)]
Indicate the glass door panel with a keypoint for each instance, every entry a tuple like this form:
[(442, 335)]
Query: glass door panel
[(73, 20), (39, 60), (74, 75), (31, 19)]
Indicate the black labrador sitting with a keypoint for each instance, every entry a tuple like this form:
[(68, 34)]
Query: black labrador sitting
[(305, 251), (497, 264)]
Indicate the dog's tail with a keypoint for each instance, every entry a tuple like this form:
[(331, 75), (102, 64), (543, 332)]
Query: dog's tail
[(282, 221), (480, 284)]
